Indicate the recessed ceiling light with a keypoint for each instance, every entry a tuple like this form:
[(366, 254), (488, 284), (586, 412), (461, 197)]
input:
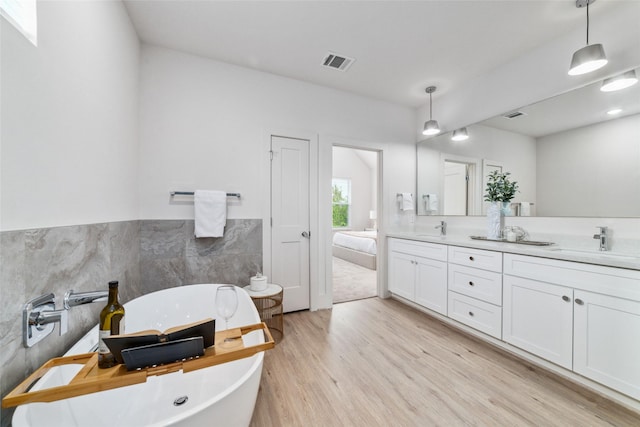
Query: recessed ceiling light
[(614, 111), (619, 82)]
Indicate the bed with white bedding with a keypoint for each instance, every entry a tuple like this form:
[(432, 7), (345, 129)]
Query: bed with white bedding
[(358, 247)]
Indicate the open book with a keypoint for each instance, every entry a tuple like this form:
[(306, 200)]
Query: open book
[(204, 328)]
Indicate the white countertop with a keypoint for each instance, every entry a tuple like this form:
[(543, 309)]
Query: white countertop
[(610, 259)]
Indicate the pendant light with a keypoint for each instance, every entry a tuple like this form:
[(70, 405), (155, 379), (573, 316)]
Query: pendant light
[(431, 126), (621, 81), (591, 57), (460, 135)]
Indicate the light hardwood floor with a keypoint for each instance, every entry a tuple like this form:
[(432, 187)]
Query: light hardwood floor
[(378, 362)]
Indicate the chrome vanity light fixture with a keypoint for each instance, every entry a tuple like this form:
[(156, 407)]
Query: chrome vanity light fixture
[(460, 135), (591, 57), (431, 126), (619, 82)]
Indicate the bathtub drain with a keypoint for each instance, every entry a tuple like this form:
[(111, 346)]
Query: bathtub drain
[(180, 400)]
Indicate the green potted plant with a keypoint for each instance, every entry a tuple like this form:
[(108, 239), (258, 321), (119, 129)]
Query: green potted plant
[(500, 188), (500, 191)]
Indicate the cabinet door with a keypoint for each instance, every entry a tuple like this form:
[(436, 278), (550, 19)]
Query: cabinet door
[(431, 284), (607, 341), (538, 318), (402, 275)]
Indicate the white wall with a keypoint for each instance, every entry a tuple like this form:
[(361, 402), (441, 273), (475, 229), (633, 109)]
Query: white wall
[(575, 170), (69, 118), (347, 164), (203, 125)]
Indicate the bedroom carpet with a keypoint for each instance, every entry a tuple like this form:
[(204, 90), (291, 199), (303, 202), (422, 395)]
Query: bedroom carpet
[(352, 282)]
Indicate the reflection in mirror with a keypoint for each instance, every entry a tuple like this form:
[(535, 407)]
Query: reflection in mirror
[(569, 157)]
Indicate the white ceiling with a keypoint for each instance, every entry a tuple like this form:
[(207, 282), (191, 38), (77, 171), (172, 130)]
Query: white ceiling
[(400, 47)]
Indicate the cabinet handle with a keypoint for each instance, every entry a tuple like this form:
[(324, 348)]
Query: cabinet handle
[(470, 258), (471, 313), (565, 298), (470, 283), (579, 301)]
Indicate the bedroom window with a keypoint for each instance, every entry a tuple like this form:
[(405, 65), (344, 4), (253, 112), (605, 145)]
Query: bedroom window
[(341, 202), (22, 15)]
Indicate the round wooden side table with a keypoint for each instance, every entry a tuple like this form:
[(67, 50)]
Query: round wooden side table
[(269, 305)]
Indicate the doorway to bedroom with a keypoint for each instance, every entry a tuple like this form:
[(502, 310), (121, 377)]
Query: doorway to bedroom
[(354, 228)]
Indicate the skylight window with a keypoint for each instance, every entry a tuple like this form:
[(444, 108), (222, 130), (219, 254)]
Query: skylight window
[(22, 15)]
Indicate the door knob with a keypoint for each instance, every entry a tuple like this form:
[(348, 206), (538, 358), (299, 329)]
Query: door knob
[(306, 234)]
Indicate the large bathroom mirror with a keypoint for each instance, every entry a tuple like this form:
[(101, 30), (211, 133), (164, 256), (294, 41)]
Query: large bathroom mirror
[(572, 155)]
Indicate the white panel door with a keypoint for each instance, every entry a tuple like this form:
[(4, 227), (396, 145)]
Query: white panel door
[(607, 341), (538, 318), (290, 220), (455, 188)]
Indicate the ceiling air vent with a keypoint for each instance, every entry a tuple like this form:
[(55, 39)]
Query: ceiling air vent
[(514, 114), (337, 62)]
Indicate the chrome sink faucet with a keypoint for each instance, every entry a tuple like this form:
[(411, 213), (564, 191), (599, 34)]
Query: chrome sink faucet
[(442, 227), (603, 238)]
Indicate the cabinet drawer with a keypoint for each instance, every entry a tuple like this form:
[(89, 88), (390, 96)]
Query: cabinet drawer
[(618, 282), (477, 314), (481, 284), (478, 258), (422, 249)]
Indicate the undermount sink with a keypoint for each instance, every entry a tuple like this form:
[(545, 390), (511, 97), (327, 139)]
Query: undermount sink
[(605, 254)]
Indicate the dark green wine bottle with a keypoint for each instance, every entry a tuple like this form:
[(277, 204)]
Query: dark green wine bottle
[(111, 323)]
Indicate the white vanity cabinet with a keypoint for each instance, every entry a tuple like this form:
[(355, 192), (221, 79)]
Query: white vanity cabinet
[(418, 272), (475, 289), (580, 316), (538, 318), (607, 340)]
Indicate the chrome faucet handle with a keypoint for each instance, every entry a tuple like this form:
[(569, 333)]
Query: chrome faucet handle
[(46, 317), (603, 229), (38, 318)]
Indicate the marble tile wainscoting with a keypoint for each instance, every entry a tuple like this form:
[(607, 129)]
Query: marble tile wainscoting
[(171, 256), (145, 256)]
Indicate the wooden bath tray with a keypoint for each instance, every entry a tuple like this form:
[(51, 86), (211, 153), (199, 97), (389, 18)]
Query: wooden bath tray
[(91, 379)]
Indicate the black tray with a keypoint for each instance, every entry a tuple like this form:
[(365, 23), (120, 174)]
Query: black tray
[(166, 352)]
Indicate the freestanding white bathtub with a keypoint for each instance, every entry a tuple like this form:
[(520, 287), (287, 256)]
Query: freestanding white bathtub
[(222, 395)]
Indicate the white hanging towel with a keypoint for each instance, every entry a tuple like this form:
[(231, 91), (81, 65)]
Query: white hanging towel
[(432, 202), (210, 212), (407, 202), (525, 208)]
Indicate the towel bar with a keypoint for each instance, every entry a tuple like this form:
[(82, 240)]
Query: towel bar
[(190, 193)]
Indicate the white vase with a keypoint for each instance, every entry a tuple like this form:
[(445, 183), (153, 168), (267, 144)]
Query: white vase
[(495, 220)]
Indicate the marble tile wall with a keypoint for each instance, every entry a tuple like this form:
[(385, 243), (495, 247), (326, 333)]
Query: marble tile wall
[(171, 256), (144, 256), (41, 261)]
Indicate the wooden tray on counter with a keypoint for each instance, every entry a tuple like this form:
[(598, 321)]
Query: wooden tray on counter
[(91, 379)]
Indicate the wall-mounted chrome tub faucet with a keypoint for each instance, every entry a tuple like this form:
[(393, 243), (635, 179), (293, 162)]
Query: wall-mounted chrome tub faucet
[(72, 299), (603, 237)]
